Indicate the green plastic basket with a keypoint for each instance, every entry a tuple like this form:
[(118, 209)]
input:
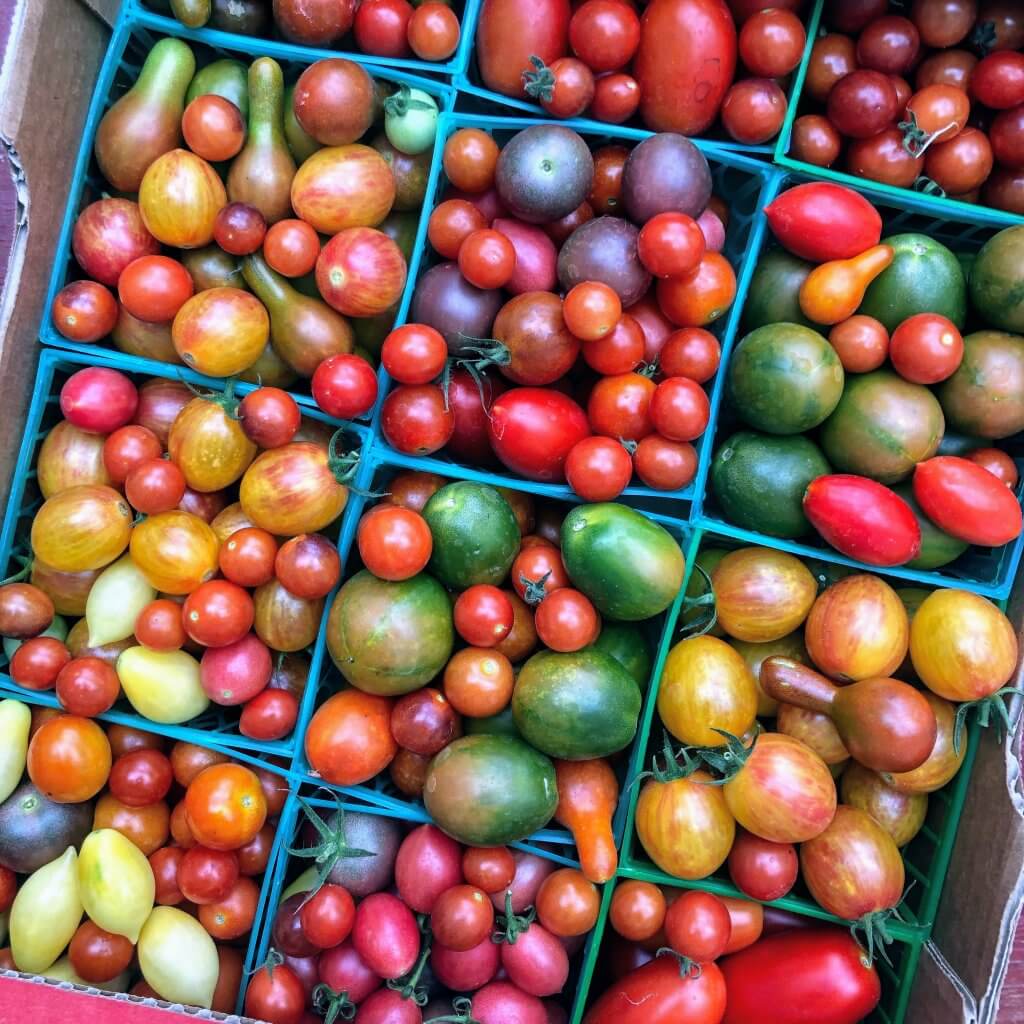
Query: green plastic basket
[(554, 841), (134, 35), (219, 725), (986, 571), (746, 181), (936, 205)]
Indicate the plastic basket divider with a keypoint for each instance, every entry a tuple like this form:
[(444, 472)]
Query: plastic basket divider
[(762, 178), (278, 48), (940, 206), (139, 27)]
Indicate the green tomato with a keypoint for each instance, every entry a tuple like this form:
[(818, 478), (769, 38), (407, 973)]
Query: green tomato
[(410, 120), (45, 914)]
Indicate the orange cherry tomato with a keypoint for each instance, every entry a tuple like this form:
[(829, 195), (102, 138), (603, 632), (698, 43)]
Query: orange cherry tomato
[(701, 297), (349, 738), (226, 807), (69, 759)]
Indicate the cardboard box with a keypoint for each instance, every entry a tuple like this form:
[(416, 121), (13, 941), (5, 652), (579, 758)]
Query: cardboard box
[(50, 65)]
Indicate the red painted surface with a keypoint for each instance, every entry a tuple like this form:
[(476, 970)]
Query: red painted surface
[(20, 1002)]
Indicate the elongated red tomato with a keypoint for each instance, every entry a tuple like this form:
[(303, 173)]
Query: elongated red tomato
[(967, 501), (659, 993), (511, 32), (863, 519), (822, 222), (685, 63), (808, 974)]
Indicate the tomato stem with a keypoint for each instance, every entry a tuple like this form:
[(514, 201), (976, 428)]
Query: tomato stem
[(510, 924), (689, 970), (331, 849), (463, 1008), (225, 400), (22, 573), (534, 591), (915, 139), (540, 82), (333, 1005), (341, 464), (702, 624), (407, 986), (983, 37), (985, 707), (400, 103)]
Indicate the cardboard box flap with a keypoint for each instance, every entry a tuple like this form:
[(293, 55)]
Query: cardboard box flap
[(108, 10), (939, 996)]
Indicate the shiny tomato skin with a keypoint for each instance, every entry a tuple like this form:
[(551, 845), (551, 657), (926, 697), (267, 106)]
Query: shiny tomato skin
[(109, 234), (247, 557), (821, 222), (998, 80), (604, 34), (349, 738), (381, 27), (385, 935), (69, 759), (619, 351), (508, 35), (817, 974), (967, 501), (470, 402), (38, 663), (598, 468), (308, 565), (141, 777), (217, 613), (532, 431), (270, 417), (270, 715), (698, 926), (226, 806), (665, 465), (761, 869), (394, 542), (414, 353), (684, 63), (566, 620), (620, 406), (97, 955), (276, 996), (206, 876), (863, 519), (680, 409), (483, 616), (415, 419), (344, 386), (997, 462), (657, 993), (84, 311)]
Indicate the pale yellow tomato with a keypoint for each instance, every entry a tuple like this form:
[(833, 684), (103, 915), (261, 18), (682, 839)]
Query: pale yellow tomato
[(162, 686)]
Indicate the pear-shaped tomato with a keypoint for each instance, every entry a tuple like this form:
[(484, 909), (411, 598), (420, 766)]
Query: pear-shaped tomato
[(761, 594), (178, 958), (962, 646), (175, 551), (115, 882), (70, 457), (208, 446), (15, 722), (685, 825), (857, 629), (815, 730), (295, 489), (945, 759), (163, 686), (45, 913), (115, 600), (705, 686), (83, 527)]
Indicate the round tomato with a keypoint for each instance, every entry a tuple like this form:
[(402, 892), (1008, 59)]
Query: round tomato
[(753, 110), (97, 955), (478, 682), (141, 777), (394, 542), (490, 868), (566, 620), (225, 805), (349, 738), (761, 869), (483, 615), (414, 353), (462, 917), (702, 297), (926, 348), (637, 911), (619, 351), (564, 88), (604, 34), (567, 903), (217, 613), (665, 465), (598, 468), (155, 486), (69, 759), (470, 158), (861, 342), (416, 420), (205, 875), (619, 406), (698, 926), (591, 310), (291, 247), (247, 557), (86, 686), (616, 98), (771, 43), (433, 31)]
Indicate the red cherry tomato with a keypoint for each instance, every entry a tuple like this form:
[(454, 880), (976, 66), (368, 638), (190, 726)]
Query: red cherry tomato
[(671, 245), (156, 485), (451, 223), (159, 625), (861, 342), (619, 351), (664, 465), (87, 687), (239, 229), (862, 103), (761, 869), (270, 417), (416, 420), (381, 27), (126, 448), (483, 616), (154, 288), (604, 34), (598, 468), (394, 542), (690, 352), (616, 98), (698, 926), (619, 406), (344, 386), (205, 875), (564, 88), (566, 620), (537, 571), (487, 258), (998, 80), (433, 32), (926, 348), (680, 409), (753, 110), (997, 462), (414, 353), (591, 310), (889, 44), (270, 715), (218, 613), (308, 566), (291, 247), (771, 43), (141, 777), (247, 557), (37, 663)]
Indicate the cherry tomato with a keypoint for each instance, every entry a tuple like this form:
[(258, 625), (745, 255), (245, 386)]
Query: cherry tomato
[(154, 288), (205, 875), (344, 386), (888, 44), (998, 80), (217, 613), (450, 224), (394, 542), (538, 570), (470, 158), (771, 43), (616, 98), (462, 917), (415, 353), (308, 565), (226, 806), (883, 157), (38, 662), (247, 557), (124, 739), (833, 57), (327, 917), (619, 351), (165, 863), (239, 229), (638, 910), (381, 27), (147, 827), (424, 722), (962, 164), (861, 342), (862, 103), (567, 903), (566, 620), (69, 759), (943, 23), (753, 110), (604, 34), (598, 468), (126, 447), (926, 348), (671, 245), (606, 189), (9, 888), (188, 760), (938, 112), (270, 417), (490, 868), (564, 88), (349, 738), (483, 616), (87, 687), (691, 352), (997, 462), (275, 995), (619, 406), (815, 140), (155, 486), (478, 682), (270, 715), (415, 419), (698, 926), (1007, 137), (591, 310), (141, 777), (1004, 190), (84, 311), (700, 298), (97, 955), (233, 916), (664, 465), (291, 247), (433, 32), (947, 67), (487, 258), (680, 409), (761, 869), (213, 128)]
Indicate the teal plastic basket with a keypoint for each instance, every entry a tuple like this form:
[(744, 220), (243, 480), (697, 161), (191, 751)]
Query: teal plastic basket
[(218, 726), (937, 205), (282, 50), (554, 841), (987, 571), (475, 97), (745, 181), (134, 35)]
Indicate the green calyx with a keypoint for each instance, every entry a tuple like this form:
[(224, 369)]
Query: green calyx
[(689, 970), (331, 849), (539, 82), (990, 710), (400, 103), (704, 622), (332, 1005), (463, 1014), (510, 924), (342, 464)]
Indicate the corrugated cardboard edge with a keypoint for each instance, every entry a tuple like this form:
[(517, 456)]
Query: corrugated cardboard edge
[(124, 997)]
